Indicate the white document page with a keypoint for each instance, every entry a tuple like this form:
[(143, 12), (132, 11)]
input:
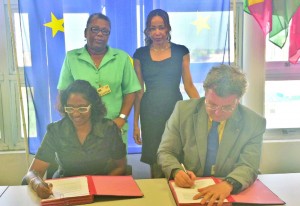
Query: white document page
[(185, 195), (69, 187)]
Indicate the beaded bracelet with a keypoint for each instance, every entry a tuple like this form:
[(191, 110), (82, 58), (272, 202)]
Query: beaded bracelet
[(31, 180), (36, 186)]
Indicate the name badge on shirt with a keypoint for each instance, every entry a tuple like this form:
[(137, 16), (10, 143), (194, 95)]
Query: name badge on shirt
[(103, 90)]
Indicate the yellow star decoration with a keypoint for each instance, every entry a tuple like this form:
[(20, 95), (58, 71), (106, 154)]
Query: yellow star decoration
[(201, 23), (55, 24)]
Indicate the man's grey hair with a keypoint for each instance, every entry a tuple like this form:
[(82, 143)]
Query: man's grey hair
[(226, 80)]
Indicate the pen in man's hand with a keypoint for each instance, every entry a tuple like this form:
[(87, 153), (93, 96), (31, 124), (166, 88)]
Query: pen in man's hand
[(183, 167)]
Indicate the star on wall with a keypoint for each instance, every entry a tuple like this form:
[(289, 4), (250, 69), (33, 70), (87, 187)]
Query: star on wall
[(55, 24), (201, 23)]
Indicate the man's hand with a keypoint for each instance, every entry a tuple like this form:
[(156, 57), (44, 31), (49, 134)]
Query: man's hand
[(218, 192), (183, 179)]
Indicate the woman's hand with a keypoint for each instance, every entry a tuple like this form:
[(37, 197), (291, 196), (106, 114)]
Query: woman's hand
[(44, 190), (117, 167), (119, 122), (137, 135), (33, 178)]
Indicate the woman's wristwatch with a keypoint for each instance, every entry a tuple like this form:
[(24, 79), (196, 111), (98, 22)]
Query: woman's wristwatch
[(123, 116)]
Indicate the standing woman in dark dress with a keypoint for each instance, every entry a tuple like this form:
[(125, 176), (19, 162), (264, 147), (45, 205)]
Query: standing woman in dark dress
[(160, 65)]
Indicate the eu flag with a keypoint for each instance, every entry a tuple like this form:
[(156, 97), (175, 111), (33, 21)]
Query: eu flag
[(46, 40)]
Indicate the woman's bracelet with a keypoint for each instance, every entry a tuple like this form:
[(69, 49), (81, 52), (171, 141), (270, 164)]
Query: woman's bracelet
[(31, 180), (36, 177), (36, 186)]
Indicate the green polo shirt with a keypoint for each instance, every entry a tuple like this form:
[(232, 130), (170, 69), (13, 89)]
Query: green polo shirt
[(115, 70)]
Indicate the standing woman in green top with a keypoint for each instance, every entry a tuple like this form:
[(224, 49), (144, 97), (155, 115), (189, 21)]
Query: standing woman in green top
[(107, 69), (160, 65)]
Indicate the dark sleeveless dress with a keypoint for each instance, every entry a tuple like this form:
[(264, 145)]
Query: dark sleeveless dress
[(162, 80)]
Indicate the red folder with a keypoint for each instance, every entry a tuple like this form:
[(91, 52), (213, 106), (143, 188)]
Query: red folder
[(257, 193), (97, 185), (114, 186)]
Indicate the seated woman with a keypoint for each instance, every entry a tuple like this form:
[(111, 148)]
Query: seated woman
[(83, 142)]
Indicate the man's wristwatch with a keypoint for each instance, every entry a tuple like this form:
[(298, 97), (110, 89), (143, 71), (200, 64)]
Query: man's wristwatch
[(123, 116), (235, 184)]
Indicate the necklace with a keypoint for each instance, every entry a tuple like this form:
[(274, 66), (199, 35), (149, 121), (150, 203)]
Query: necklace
[(161, 49)]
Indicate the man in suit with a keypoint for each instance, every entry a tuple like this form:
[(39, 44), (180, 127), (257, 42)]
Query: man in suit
[(239, 134)]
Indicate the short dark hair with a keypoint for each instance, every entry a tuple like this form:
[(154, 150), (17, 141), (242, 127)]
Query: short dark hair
[(226, 80), (164, 15), (98, 16), (98, 110)]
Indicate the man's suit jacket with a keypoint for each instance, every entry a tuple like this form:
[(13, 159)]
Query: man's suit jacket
[(185, 141)]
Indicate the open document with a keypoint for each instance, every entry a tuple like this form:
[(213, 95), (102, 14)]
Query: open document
[(184, 196), (81, 189), (70, 187), (257, 193)]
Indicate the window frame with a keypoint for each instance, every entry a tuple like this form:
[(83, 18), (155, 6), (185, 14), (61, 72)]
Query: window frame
[(281, 71), (10, 100)]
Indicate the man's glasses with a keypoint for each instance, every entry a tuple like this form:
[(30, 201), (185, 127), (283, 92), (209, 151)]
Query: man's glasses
[(227, 108), (96, 30), (81, 110)]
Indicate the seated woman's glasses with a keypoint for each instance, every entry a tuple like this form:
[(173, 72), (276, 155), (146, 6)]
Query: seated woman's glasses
[(70, 110)]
